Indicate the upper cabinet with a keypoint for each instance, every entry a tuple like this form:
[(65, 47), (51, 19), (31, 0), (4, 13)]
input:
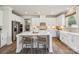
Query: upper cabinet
[(1, 18), (61, 20)]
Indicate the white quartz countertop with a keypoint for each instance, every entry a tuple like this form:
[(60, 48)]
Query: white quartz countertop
[(74, 33), (40, 32)]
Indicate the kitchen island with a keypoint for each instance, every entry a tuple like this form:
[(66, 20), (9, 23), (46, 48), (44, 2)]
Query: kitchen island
[(50, 33)]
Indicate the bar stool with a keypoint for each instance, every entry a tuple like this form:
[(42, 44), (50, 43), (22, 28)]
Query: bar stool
[(28, 41), (43, 39)]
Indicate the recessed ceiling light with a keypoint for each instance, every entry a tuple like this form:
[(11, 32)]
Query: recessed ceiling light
[(68, 8), (38, 12), (26, 12), (51, 12)]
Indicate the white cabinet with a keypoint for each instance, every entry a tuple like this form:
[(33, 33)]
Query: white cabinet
[(64, 38), (1, 25), (2, 36), (1, 18), (61, 20), (75, 43), (70, 40), (2, 40)]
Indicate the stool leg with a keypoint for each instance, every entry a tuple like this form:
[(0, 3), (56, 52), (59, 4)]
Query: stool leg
[(32, 47), (46, 48), (26, 47), (38, 47), (22, 46)]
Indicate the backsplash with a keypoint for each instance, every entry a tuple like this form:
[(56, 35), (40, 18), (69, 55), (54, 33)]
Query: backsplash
[(72, 30)]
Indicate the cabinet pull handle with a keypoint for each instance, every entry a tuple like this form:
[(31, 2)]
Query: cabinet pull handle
[(72, 40)]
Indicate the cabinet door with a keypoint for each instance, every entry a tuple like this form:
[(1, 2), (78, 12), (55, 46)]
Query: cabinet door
[(69, 39), (3, 41), (66, 38), (1, 17), (61, 36), (76, 44)]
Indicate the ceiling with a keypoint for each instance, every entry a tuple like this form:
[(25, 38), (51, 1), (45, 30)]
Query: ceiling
[(29, 10)]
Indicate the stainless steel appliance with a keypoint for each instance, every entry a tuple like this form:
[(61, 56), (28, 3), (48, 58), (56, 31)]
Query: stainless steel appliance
[(16, 29)]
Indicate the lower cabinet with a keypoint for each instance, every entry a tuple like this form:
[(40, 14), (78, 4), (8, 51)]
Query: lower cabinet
[(76, 43), (70, 40), (2, 40)]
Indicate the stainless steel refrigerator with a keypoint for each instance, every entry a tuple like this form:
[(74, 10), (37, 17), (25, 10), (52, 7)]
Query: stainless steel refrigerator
[(16, 29)]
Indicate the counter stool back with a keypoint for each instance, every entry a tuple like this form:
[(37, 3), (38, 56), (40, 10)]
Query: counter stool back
[(28, 41), (43, 39)]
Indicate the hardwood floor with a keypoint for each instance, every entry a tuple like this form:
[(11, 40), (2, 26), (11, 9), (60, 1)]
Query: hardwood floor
[(10, 49), (59, 48)]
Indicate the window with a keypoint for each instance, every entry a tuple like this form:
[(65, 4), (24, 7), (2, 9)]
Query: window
[(71, 21)]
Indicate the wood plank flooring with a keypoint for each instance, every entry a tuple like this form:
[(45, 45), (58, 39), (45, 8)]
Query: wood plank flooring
[(10, 49), (59, 48)]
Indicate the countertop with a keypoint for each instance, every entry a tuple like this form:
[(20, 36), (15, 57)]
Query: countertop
[(51, 32), (74, 33)]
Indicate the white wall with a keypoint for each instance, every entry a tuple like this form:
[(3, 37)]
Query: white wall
[(18, 19)]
